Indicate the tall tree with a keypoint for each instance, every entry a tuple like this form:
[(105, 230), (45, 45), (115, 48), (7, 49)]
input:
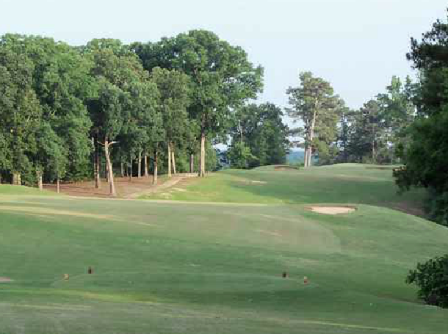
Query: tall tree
[(260, 131), (221, 75), (20, 111), (425, 155), (174, 99), (116, 71), (398, 112), (314, 104)]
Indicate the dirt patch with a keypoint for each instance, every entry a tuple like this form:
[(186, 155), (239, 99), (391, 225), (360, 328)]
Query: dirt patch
[(5, 280), (280, 168), (126, 187), (275, 234), (332, 210)]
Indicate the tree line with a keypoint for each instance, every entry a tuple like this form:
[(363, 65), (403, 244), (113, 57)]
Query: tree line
[(331, 132), (105, 108)]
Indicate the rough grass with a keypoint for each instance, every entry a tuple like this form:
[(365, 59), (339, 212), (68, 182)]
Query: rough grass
[(164, 267)]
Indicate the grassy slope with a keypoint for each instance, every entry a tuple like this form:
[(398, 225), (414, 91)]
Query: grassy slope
[(165, 267), (344, 183)]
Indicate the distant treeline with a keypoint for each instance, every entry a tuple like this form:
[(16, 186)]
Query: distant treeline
[(333, 133)]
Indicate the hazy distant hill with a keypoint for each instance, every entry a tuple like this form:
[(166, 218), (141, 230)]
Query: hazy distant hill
[(295, 157)]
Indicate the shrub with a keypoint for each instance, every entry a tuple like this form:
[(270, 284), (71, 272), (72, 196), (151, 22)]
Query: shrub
[(432, 279)]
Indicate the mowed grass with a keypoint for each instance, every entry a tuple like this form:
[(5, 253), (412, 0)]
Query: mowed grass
[(167, 267), (343, 183)]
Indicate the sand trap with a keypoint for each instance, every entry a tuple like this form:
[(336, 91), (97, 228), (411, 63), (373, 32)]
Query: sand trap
[(5, 280), (280, 168), (332, 210), (258, 182)]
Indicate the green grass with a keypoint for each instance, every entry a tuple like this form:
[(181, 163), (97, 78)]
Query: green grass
[(344, 183), (167, 267)]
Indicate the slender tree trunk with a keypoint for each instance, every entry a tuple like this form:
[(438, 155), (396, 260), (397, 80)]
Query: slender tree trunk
[(169, 159), (106, 171), (202, 157), (40, 183), (145, 158), (109, 168), (309, 156), (191, 163), (173, 160), (155, 173), (122, 169), (97, 168), (94, 158), (16, 179), (139, 165), (305, 158), (58, 185), (310, 138), (130, 171)]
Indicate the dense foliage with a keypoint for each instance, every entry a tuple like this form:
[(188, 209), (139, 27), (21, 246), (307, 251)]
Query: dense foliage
[(259, 137), (333, 133), (425, 156), (70, 113), (432, 279)]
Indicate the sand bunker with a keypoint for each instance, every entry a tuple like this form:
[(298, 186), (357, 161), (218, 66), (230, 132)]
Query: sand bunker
[(5, 280), (280, 168), (332, 210)]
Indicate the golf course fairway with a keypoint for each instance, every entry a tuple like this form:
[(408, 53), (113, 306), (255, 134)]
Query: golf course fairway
[(208, 256)]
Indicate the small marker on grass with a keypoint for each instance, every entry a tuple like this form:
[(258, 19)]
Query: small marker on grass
[(305, 280)]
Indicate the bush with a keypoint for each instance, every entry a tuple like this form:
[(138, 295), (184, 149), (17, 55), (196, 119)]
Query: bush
[(436, 206), (432, 279)]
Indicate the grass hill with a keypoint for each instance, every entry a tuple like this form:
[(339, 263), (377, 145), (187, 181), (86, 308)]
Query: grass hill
[(185, 266)]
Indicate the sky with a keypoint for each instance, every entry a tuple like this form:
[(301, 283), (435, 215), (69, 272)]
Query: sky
[(356, 45)]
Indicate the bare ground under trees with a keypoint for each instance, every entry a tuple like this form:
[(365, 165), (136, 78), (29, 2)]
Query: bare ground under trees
[(125, 187)]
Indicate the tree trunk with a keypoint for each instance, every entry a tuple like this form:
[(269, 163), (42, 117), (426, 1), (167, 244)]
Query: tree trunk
[(122, 169), (191, 163), (139, 165), (97, 168), (173, 160), (40, 183), (373, 151), (305, 158), (145, 158), (16, 179), (310, 156), (109, 168), (106, 172), (154, 175), (130, 171), (202, 157), (58, 186), (310, 138), (169, 159)]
